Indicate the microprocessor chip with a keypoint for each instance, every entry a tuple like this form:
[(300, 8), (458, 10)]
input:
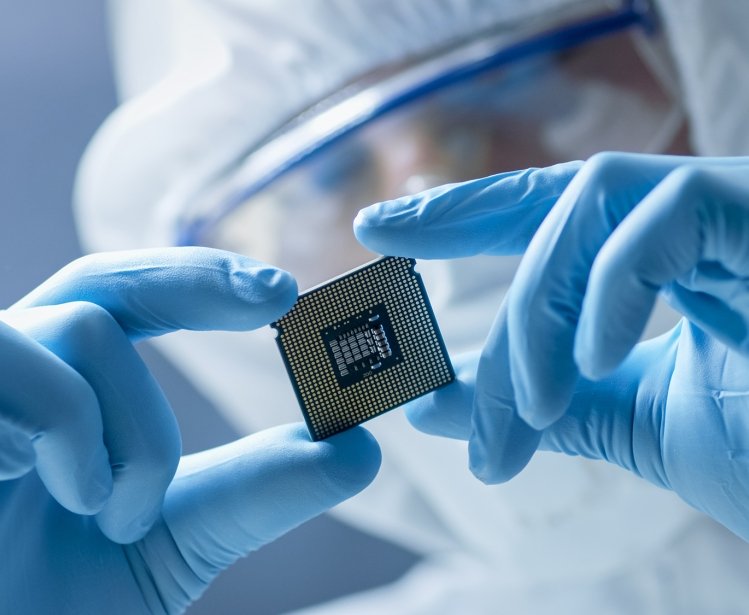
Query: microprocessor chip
[(362, 344)]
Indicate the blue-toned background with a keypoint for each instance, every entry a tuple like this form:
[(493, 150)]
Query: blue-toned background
[(55, 89)]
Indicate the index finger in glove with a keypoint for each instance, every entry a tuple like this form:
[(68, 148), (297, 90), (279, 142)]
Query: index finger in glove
[(155, 291), (493, 215)]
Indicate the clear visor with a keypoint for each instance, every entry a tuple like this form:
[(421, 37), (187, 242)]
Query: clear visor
[(293, 200)]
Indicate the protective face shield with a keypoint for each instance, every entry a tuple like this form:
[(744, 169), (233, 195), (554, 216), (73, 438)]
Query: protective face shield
[(403, 129), (265, 135)]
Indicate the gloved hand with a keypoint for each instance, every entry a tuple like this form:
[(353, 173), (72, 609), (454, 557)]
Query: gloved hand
[(561, 369), (89, 445)]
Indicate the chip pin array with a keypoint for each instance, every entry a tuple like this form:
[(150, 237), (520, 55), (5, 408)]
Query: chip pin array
[(361, 344)]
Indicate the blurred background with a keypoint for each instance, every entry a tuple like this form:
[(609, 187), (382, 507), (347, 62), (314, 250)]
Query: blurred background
[(56, 89)]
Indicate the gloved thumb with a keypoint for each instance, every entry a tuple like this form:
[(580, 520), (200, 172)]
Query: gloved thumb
[(231, 500)]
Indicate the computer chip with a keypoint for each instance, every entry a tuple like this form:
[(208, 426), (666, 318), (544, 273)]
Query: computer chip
[(362, 344)]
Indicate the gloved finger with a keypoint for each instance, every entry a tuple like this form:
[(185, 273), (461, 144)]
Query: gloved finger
[(694, 215), (17, 455), (446, 412), (231, 500), (152, 292), (56, 409), (545, 298), (620, 418), (714, 294), (479, 407), (140, 432), (715, 300), (492, 215), (501, 443)]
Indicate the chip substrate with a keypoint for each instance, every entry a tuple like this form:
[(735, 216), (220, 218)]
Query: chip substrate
[(361, 344)]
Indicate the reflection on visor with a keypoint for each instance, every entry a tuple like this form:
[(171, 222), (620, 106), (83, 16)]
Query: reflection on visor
[(533, 112)]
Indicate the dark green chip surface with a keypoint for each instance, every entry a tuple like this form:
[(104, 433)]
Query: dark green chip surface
[(362, 344)]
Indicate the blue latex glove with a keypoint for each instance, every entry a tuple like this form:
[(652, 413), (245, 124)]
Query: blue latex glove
[(89, 445), (601, 240)]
